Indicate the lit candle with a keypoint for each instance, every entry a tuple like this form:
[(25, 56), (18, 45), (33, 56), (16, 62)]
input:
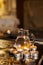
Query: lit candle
[(8, 31), (26, 55), (26, 48)]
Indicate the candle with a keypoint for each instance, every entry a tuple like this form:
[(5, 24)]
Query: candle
[(8, 31)]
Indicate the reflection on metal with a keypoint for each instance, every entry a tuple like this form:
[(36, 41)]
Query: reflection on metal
[(8, 7), (2, 7), (11, 7)]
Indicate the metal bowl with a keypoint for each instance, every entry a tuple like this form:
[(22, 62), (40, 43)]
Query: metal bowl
[(34, 55), (18, 56), (33, 47), (26, 55)]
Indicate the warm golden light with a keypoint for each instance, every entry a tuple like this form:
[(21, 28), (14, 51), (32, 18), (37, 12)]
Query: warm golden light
[(8, 31), (2, 7)]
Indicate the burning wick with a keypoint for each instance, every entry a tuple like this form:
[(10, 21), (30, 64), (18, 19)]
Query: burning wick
[(25, 47)]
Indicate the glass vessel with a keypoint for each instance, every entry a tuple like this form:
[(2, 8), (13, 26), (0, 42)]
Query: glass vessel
[(22, 40), (25, 47)]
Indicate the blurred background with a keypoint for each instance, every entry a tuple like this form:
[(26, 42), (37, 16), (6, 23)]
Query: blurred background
[(29, 12), (22, 15)]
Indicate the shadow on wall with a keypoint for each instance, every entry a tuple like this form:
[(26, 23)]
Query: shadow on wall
[(33, 14)]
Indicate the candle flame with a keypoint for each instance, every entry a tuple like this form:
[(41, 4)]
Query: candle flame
[(8, 31)]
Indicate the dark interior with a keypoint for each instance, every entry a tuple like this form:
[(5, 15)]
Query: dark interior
[(30, 14)]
